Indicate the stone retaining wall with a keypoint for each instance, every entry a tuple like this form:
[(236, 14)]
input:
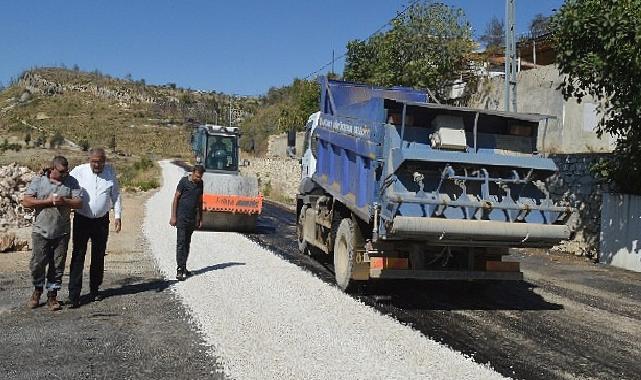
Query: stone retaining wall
[(277, 145), (576, 186), (278, 177)]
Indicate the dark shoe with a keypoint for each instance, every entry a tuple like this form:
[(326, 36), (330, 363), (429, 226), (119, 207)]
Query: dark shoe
[(96, 296), (52, 301), (73, 302), (188, 273), (180, 275), (34, 302)]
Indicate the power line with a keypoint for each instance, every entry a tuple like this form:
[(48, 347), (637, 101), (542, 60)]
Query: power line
[(389, 22)]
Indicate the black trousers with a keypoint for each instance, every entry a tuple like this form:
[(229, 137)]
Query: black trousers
[(183, 241), (85, 229)]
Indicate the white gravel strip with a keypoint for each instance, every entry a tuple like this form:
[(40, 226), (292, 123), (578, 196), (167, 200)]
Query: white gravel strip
[(269, 319)]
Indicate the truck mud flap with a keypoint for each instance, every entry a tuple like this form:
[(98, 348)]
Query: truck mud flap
[(444, 230), (443, 275)]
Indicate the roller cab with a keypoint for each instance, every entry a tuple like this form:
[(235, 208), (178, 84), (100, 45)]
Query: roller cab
[(231, 202)]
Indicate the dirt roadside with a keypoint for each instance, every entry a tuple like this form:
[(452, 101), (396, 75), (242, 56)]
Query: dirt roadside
[(140, 331)]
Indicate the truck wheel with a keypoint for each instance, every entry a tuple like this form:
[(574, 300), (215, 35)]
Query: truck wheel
[(300, 236), (348, 239)]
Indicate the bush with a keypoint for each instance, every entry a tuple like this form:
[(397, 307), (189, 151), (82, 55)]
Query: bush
[(56, 141), (112, 142), (9, 146), (84, 144), (144, 164), (141, 175), (267, 189), (147, 185), (39, 141)]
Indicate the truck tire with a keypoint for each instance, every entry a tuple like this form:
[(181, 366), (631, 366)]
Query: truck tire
[(348, 239), (300, 236)]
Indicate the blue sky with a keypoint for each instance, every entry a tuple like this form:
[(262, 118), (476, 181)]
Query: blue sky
[(240, 46)]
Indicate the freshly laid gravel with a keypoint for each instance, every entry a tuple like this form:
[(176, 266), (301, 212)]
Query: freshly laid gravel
[(269, 319)]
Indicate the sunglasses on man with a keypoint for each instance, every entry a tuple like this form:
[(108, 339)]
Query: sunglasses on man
[(62, 172)]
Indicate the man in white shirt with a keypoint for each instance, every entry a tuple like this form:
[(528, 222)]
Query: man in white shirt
[(100, 193)]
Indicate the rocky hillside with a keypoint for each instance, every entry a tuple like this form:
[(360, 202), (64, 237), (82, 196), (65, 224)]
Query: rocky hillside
[(55, 106)]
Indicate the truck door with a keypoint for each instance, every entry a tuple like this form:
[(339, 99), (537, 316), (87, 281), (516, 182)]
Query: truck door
[(308, 160)]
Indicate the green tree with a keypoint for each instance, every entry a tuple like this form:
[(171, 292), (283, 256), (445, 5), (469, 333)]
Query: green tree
[(283, 109), (597, 44), (427, 46), (360, 64)]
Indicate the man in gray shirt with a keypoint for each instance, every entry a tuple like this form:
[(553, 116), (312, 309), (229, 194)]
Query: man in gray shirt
[(52, 195)]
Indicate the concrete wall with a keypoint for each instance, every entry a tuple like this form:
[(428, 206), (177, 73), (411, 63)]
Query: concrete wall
[(576, 186), (621, 231), (572, 129), (277, 175), (277, 145)]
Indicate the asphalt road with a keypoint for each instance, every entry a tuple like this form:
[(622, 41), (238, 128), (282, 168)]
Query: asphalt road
[(141, 330), (569, 319)]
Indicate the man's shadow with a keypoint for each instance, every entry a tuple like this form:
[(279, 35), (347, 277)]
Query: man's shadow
[(210, 268), (131, 285)]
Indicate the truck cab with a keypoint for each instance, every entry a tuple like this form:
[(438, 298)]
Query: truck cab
[(308, 161)]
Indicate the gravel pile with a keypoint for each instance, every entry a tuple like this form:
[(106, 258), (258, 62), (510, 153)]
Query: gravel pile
[(269, 319)]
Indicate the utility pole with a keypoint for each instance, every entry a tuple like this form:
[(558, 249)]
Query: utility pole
[(229, 110), (332, 61), (510, 57)]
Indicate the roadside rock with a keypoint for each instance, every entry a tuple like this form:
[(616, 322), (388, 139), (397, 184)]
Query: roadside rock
[(6, 241), (10, 242), (14, 180)]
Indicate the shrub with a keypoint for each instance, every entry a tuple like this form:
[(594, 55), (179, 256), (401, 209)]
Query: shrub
[(267, 189), (84, 144)]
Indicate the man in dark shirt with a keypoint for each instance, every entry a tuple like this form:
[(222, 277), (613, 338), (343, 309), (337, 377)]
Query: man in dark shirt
[(186, 216)]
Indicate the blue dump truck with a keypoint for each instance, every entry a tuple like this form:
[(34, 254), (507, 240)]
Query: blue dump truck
[(397, 187)]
